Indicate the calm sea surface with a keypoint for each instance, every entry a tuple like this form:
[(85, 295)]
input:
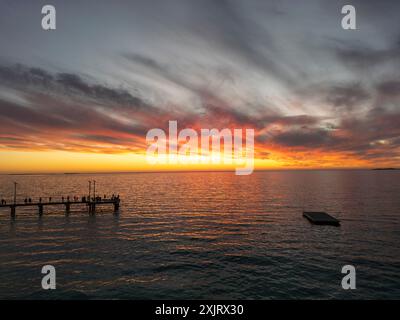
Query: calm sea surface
[(206, 235)]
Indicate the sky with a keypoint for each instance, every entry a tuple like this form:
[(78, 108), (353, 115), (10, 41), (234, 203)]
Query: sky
[(82, 97)]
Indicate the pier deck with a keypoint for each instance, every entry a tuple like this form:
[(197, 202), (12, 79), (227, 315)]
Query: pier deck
[(91, 205)]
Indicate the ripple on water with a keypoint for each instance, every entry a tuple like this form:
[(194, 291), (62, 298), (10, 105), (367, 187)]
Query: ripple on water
[(208, 235)]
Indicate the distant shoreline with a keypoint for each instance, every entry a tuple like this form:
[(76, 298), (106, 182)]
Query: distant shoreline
[(191, 171)]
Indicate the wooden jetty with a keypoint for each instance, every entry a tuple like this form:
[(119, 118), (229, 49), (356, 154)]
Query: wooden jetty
[(91, 202), (321, 218), (91, 205)]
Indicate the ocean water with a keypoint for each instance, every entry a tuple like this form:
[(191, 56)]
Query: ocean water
[(206, 235)]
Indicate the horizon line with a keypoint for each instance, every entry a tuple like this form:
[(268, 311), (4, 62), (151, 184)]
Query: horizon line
[(189, 171)]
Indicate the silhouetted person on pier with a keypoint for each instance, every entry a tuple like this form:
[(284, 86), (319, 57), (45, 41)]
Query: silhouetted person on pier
[(49, 199), (25, 200), (40, 200), (30, 200), (68, 199), (62, 199)]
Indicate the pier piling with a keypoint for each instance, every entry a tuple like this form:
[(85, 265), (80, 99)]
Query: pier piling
[(13, 211), (116, 206), (67, 208)]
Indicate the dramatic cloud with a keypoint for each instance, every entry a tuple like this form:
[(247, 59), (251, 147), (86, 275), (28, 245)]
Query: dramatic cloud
[(315, 94), (39, 80), (389, 88), (347, 96), (361, 58)]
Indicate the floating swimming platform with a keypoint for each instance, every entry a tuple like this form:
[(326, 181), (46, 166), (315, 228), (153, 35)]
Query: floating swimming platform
[(321, 218)]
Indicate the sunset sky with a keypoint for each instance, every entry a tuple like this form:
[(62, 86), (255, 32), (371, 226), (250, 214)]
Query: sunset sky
[(83, 97)]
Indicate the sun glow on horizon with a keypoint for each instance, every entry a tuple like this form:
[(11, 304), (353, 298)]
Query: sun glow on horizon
[(79, 162)]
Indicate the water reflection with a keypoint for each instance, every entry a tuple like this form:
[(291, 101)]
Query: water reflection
[(207, 235)]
